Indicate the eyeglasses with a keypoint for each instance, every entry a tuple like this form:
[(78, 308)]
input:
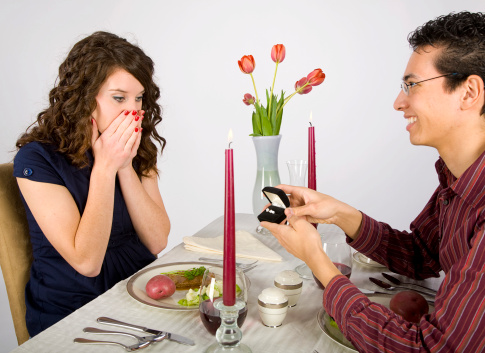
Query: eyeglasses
[(407, 86)]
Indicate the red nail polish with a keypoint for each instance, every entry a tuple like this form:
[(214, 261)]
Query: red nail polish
[(142, 112), (126, 112), (92, 121), (137, 118), (133, 112), (136, 129)]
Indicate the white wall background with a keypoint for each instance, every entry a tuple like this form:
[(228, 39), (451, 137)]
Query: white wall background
[(363, 152)]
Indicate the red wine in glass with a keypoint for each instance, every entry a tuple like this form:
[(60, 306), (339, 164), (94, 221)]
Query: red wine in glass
[(346, 271), (211, 319)]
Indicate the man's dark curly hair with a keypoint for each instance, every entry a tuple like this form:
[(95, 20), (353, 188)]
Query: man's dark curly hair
[(462, 38), (66, 123)]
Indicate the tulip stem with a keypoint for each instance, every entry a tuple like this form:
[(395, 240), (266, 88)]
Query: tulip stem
[(287, 99), (272, 87), (254, 85)]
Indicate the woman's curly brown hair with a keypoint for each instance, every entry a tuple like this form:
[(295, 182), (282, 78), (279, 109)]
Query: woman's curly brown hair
[(66, 123)]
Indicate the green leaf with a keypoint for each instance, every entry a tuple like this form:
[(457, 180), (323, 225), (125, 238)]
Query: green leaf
[(273, 113), (256, 123), (266, 128), (277, 127), (189, 274), (261, 113), (279, 117)]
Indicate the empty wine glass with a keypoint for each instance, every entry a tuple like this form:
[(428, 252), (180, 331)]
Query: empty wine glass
[(297, 169), (340, 254)]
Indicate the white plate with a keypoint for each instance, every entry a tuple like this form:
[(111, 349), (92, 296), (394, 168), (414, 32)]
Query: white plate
[(334, 333), (365, 261), (137, 283)]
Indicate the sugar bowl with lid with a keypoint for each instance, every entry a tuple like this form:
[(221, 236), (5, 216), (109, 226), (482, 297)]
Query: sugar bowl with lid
[(272, 306), (291, 284)]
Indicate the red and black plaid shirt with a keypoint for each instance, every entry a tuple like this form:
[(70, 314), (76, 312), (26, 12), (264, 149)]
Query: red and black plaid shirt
[(448, 235)]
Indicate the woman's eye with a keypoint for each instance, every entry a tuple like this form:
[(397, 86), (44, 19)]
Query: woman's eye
[(139, 99), (119, 99)]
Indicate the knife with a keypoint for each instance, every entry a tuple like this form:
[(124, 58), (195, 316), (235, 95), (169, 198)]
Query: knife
[(170, 336), (391, 287)]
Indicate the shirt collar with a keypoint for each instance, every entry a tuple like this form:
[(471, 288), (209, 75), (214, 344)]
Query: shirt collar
[(470, 186)]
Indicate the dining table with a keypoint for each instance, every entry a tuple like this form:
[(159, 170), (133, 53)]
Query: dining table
[(301, 330)]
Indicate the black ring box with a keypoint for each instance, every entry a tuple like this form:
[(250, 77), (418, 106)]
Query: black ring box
[(279, 202)]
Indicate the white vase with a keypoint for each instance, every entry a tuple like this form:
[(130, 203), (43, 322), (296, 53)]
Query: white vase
[(267, 168)]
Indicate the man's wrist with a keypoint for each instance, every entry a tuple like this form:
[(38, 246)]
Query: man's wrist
[(349, 219)]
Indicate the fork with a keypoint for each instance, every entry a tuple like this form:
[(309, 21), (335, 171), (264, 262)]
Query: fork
[(141, 340), (238, 264), (248, 268)]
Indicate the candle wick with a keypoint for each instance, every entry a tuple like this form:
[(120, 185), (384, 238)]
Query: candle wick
[(230, 145), (310, 124)]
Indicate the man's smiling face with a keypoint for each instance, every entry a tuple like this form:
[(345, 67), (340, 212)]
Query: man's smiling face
[(429, 109)]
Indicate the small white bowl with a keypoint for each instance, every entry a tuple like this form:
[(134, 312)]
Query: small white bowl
[(291, 284), (272, 307)]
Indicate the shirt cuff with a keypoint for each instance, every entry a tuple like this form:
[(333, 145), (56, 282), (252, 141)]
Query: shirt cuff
[(366, 240)]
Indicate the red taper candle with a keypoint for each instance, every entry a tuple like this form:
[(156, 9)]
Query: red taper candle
[(312, 174), (229, 274)]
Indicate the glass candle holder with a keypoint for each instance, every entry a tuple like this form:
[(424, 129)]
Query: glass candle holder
[(219, 319)]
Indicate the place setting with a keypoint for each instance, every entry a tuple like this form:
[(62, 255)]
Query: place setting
[(142, 342)]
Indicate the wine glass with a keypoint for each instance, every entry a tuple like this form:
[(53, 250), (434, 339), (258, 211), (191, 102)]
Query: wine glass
[(211, 290), (341, 255), (297, 169)]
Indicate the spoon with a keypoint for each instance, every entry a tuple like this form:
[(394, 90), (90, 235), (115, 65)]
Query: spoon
[(398, 282), (131, 348), (390, 287)]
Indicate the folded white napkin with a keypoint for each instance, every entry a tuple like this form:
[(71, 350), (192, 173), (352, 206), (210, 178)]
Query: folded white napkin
[(246, 246)]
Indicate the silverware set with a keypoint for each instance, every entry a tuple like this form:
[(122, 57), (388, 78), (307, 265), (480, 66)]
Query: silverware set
[(245, 267), (143, 342), (395, 280), (400, 285)]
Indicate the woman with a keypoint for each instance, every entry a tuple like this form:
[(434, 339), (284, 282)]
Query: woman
[(87, 173)]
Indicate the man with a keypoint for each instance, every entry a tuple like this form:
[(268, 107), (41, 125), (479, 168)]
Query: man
[(443, 100)]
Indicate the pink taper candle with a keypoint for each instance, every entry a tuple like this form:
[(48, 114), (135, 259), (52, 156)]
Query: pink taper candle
[(229, 275), (312, 174)]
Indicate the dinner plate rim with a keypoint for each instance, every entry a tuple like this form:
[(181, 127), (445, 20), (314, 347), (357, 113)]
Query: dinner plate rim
[(355, 256), (371, 296), (131, 281), (321, 324)]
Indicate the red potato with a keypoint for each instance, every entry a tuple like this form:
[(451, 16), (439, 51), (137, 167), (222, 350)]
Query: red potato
[(410, 305), (159, 287)]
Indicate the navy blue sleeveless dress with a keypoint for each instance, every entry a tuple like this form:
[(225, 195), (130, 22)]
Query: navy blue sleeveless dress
[(55, 289)]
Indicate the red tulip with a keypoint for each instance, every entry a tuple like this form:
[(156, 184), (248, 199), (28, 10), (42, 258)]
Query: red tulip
[(278, 53), (247, 64), (316, 77), (300, 84), (248, 99)]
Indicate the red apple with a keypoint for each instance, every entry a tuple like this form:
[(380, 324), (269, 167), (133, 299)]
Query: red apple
[(160, 286), (410, 305)]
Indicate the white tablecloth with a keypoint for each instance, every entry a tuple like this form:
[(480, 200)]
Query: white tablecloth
[(300, 331)]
